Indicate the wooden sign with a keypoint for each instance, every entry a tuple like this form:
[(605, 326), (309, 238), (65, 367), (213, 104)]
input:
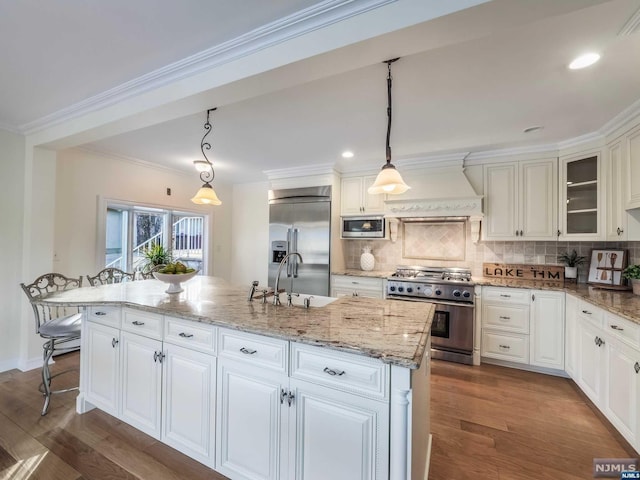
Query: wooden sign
[(515, 271)]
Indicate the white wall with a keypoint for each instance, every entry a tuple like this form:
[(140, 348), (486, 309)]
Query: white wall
[(83, 176), (12, 174), (250, 233)]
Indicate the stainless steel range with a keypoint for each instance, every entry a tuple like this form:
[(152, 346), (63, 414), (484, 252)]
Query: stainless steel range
[(452, 291)]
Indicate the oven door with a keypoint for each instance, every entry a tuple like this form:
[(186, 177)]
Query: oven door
[(452, 328)]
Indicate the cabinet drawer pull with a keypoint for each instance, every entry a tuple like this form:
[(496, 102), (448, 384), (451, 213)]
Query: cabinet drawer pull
[(137, 323), (355, 283), (333, 373), (185, 335), (636, 367), (100, 314), (247, 351), (504, 318), (114, 342), (354, 294), (586, 312), (616, 327), (505, 295), (505, 346)]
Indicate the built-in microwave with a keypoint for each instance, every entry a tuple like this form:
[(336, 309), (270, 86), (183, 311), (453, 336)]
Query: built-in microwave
[(363, 227)]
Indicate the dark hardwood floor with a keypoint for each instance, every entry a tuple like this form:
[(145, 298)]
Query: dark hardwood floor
[(488, 423)]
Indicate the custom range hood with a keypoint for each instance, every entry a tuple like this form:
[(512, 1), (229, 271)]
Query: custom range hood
[(441, 191)]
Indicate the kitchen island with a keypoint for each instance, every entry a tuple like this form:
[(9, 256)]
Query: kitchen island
[(255, 390)]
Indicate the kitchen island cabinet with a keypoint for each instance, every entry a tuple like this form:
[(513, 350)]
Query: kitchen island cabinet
[(300, 392)]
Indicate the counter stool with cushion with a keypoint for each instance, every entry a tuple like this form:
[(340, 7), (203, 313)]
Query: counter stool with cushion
[(110, 275), (57, 324)]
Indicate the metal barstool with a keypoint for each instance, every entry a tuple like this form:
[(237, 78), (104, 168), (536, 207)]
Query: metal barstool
[(55, 324), (110, 275)]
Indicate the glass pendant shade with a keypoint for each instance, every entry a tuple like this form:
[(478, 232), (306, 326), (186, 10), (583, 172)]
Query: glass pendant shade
[(206, 196), (201, 165), (388, 181)]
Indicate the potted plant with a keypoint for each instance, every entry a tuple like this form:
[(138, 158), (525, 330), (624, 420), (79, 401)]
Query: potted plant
[(571, 262), (155, 255), (632, 272)]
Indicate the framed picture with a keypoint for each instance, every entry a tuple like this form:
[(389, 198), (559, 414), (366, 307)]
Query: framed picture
[(605, 268)]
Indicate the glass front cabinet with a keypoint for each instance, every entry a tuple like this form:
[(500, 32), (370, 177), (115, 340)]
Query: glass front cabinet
[(581, 197)]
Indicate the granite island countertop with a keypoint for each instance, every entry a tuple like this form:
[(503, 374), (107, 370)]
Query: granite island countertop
[(352, 272), (395, 332)]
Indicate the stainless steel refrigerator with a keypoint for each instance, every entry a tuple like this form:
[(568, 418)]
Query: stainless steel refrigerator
[(300, 221)]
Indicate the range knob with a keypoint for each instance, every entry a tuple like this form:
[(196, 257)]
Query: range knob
[(428, 291), (409, 289), (457, 293), (466, 294), (438, 291), (401, 289), (392, 288)]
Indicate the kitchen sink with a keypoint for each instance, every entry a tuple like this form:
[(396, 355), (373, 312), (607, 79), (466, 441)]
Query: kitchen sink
[(315, 300)]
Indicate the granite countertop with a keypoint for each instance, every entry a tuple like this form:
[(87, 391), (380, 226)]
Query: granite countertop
[(619, 302), (395, 332), (362, 273)]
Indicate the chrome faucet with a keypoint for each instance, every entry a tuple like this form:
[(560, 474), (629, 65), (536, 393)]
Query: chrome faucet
[(252, 291), (276, 296)]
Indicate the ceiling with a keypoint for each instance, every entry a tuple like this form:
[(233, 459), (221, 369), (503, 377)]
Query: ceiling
[(468, 81)]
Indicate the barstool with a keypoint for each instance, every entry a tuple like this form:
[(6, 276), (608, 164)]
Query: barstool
[(110, 275), (55, 324)]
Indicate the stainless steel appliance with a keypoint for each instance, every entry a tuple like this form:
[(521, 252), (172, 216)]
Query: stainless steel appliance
[(451, 290), (300, 221), (363, 227)]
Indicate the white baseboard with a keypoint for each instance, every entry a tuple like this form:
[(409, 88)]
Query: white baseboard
[(30, 364), (7, 365)]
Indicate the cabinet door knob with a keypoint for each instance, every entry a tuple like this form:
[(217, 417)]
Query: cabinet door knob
[(636, 367), (559, 233), (114, 342), (619, 230), (517, 233), (521, 234)]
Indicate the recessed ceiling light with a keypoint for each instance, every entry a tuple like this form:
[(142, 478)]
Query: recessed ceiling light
[(535, 128), (584, 61), (347, 154)]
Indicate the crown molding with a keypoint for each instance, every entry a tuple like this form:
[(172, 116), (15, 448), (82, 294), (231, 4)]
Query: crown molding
[(631, 26), (135, 161), (479, 157), (629, 114), (582, 140), (10, 128), (321, 169), (287, 28)]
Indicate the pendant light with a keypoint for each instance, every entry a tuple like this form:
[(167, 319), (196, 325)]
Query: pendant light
[(389, 179), (206, 195)]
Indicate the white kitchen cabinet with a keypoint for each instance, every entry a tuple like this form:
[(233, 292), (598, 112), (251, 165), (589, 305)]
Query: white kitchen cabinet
[(523, 327), (141, 381), (355, 198), (101, 366), (590, 359), (581, 197), (349, 285), (622, 390), (356, 452), (547, 329), (252, 435), (616, 215), (275, 426), (571, 335), (188, 407), (520, 201), (632, 168)]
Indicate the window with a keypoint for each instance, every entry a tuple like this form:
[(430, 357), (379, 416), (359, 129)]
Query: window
[(130, 230)]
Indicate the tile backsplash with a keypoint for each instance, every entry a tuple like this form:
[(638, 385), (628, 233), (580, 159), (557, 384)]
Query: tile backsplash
[(389, 254)]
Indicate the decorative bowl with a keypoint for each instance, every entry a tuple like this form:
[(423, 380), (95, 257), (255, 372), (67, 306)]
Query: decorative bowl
[(174, 280)]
